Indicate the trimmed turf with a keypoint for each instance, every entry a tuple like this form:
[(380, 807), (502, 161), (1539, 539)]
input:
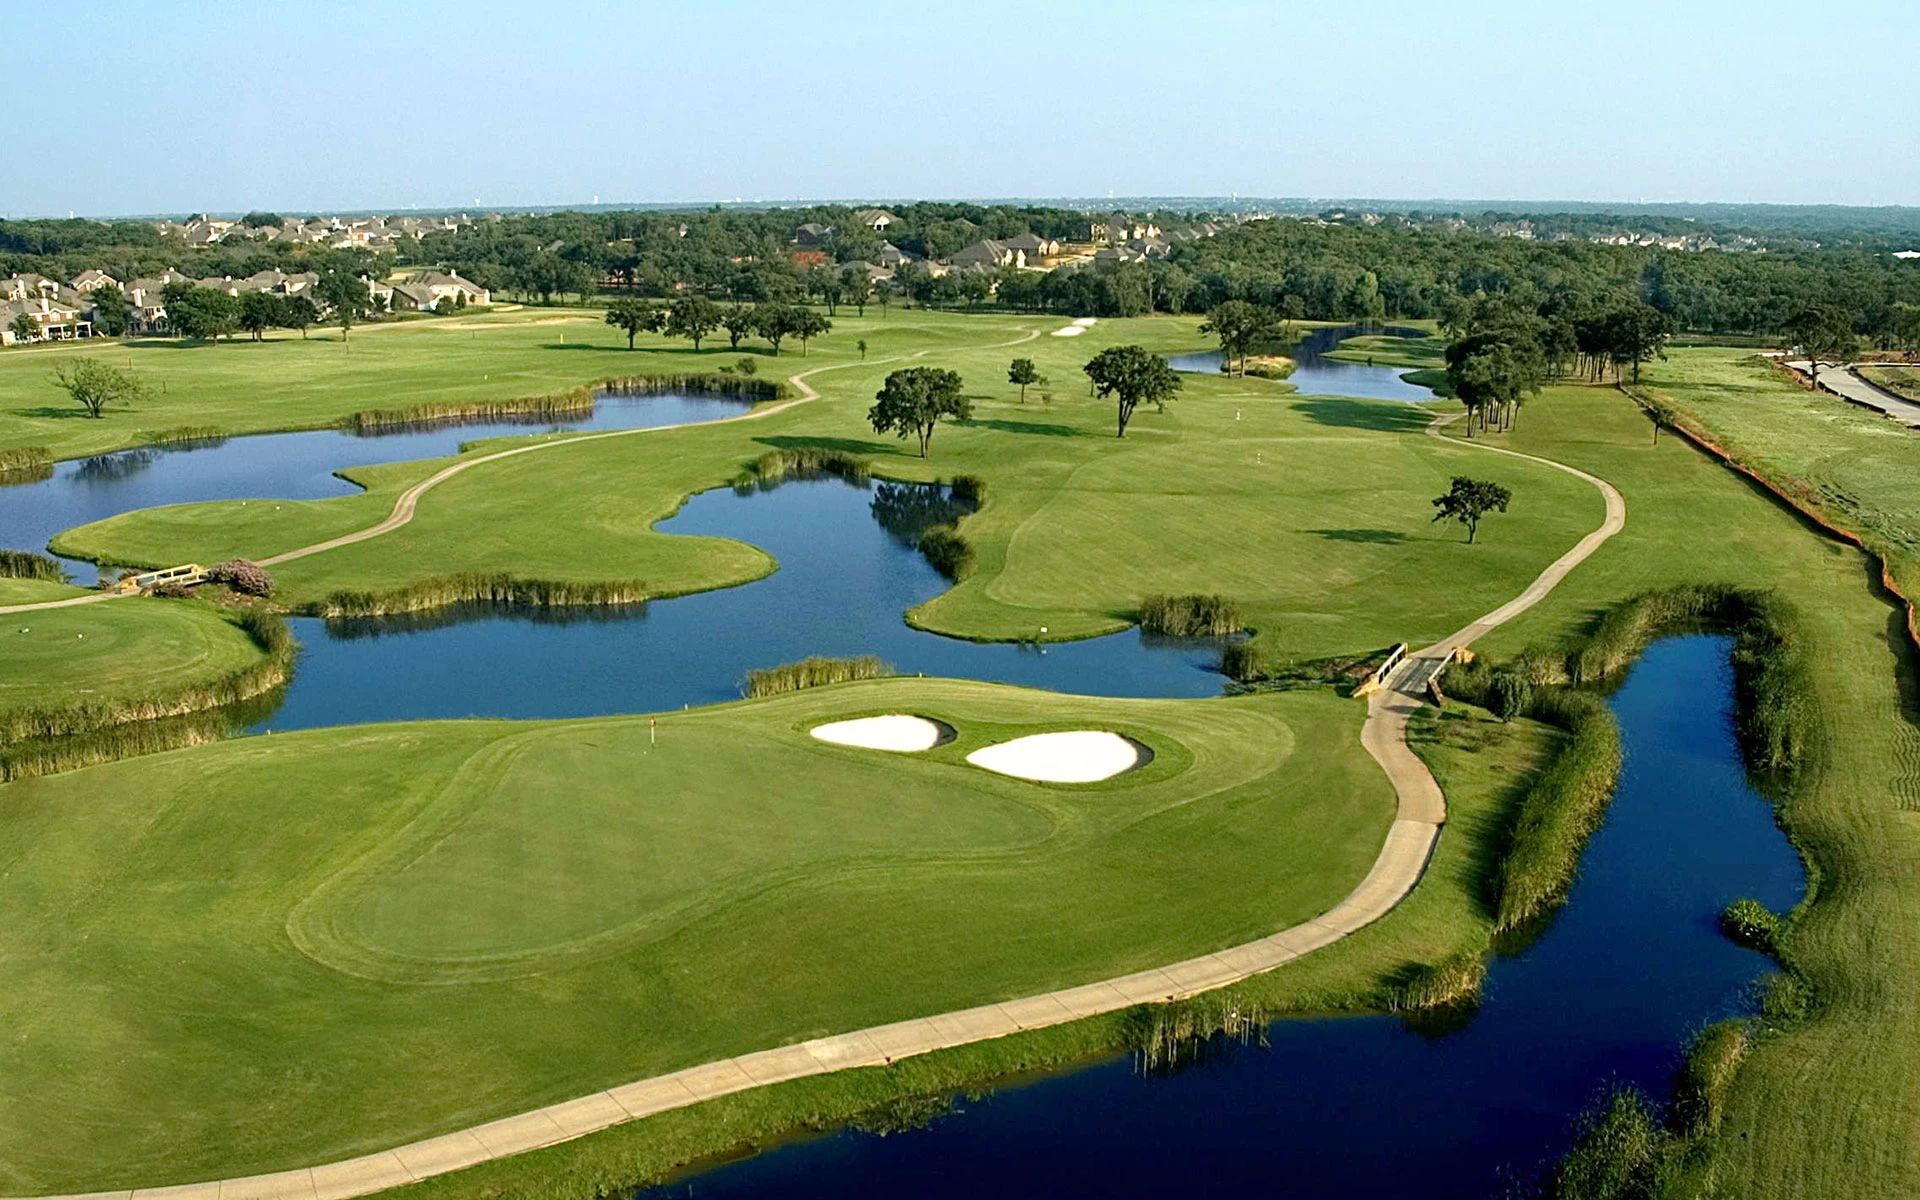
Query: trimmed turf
[(279, 950), (119, 650), (1900, 380), (1312, 512)]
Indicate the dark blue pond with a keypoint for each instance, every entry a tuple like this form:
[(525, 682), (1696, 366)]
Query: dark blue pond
[(844, 580), (1608, 994), (1314, 374), (281, 466)]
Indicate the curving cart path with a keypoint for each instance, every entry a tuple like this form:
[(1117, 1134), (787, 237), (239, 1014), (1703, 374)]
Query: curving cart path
[(1402, 860)]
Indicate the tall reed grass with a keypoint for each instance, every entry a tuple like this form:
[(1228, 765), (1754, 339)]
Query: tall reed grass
[(775, 467), (25, 464), (23, 564), (1195, 615), (187, 437), (475, 586), (811, 672), (374, 421), (948, 552), (1168, 1035)]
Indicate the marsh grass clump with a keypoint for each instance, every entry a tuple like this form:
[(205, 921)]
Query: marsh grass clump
[(970, 490), (948, 552), (806, 462), (187, 437), (1196, 615), (1749, 923), (1561, 810), (1622, 1151), (23, 564), (25, 464), (815, 671), (1706, 1076), (1170, 1035), (476, 586), (711, 383), (1454, 981), (1786, 999), (1244, 662), (575, 402)]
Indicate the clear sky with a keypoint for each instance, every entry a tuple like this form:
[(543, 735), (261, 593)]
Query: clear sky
[(174, 107)]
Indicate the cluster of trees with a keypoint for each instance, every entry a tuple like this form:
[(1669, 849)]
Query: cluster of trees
[(209, 313), (695, 317)]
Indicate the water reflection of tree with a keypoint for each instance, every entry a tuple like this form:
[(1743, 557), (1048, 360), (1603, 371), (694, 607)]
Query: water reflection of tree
[(109, 468), (907, 510)]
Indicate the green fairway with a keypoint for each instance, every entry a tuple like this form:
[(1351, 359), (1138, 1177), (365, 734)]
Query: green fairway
[(117, 651), (1313, 512), (272, 951)]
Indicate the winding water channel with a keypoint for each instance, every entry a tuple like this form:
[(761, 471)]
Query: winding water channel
[(1314, 374), (1356, 1106)]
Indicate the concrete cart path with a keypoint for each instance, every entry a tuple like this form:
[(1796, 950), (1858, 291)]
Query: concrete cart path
[(1847, 383), (1401, 861), (409, 501)]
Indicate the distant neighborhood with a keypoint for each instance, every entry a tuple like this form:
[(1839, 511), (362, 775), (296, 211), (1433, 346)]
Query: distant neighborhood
[(34, 308)]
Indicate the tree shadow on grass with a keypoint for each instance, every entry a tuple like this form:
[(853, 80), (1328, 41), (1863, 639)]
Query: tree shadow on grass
[(1042, 428), (61, 413), (844, 445), (587, 346), (1386, 416), (1371, 537)]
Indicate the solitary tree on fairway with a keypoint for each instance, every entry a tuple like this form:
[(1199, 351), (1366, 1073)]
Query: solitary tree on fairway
[(913, 401), (805, 324), (862, 343), (693, 318), (1023, 373), (94, 384), (630, 317), (1131, 375), (1824, 333), (1468, 500)]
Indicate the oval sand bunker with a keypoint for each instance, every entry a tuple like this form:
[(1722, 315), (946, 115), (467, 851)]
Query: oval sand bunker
[(1076, 756), (896, 731)]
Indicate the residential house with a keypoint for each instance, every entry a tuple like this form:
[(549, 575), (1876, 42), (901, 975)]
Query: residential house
[(54, 320), (1033, 246), (987, 254), (92, 278), (876, 219), (812, 234), (424, 290), (379, 294), (1151, 247), (29, 286), (891, 256)]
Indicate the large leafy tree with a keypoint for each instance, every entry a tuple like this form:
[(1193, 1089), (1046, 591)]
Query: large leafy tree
[(346, 294), (774, 322), (631, 317), (259, 312), (737, 320), (94, 384), (299, 312), (806, 325), (693, 318), (1468, 500), (111, 316), (1023, 372), (1132, 376), (914, 400), (1824, 333)]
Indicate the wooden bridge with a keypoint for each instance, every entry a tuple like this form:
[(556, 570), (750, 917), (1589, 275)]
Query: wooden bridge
[(146, 581)]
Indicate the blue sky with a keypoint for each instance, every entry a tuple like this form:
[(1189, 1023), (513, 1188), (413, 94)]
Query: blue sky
[(172, 107)]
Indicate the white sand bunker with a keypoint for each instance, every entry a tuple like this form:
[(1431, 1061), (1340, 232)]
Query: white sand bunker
[(1077, 756), (1079, 326), (895, 731)]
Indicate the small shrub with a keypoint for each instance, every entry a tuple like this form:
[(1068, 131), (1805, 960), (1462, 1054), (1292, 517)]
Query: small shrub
[(811, 672), (947, 552), (25, 464), (1244, 662), (1190, 616), (777, 466), (242, 575), (1751, 924), (173, 589)]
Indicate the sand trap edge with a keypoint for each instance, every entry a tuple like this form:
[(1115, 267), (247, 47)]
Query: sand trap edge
[(897, 733), (985, 757)]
